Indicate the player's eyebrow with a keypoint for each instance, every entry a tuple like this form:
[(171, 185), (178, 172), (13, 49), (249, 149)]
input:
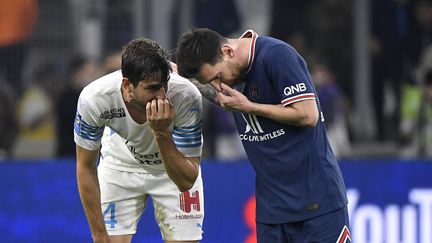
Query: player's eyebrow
[(152, 85)]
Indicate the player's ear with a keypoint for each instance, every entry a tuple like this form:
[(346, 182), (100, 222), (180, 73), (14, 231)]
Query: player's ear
[(227, 50), (127, 85)]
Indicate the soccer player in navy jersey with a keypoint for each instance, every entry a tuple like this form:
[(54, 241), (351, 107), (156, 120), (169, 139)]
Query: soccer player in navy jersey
[(300, 192)]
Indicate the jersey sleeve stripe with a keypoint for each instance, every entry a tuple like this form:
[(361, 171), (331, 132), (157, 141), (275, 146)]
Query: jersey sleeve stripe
[(308, 96), (191, 127), (86, 130), (196, 128), (188, 136), (192, 139), (188, 145), (188, 131), (188, 142)]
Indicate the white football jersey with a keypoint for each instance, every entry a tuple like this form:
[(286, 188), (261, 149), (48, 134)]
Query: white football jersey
[(102, 119)]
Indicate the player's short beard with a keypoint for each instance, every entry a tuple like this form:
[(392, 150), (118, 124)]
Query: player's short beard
[(135, 102), (241, 75)]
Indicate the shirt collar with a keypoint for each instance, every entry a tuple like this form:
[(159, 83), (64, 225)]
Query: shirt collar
[(250, 34)]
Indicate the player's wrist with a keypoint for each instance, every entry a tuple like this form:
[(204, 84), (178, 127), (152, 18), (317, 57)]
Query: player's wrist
[(252, 108), (101, 237), (167, 134)]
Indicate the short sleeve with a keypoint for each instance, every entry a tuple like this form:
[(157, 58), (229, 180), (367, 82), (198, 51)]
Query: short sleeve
[(289, 74), (88, 127), (187, 131)]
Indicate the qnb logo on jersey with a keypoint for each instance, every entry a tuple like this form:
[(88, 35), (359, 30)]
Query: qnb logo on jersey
[(289, 90), (190, 200)]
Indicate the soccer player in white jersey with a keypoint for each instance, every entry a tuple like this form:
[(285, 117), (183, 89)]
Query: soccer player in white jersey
[(145, 123)]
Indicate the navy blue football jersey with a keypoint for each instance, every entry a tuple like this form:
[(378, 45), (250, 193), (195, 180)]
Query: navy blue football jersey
[(297, 175)]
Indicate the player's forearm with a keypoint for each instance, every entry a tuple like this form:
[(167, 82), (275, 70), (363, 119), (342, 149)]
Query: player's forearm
[(285, 115), (207, 91), (182, 171), (88, 186)]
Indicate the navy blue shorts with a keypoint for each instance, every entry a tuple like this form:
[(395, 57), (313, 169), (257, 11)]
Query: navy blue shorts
[(328, 228)]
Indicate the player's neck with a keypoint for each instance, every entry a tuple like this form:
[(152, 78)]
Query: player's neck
[(244, 46)]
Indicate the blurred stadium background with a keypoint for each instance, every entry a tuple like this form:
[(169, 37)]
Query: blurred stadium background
[(371, 62)]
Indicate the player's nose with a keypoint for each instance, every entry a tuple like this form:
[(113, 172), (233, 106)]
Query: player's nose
[(161, 93)]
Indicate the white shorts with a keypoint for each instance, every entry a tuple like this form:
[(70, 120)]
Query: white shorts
[(124, 196)]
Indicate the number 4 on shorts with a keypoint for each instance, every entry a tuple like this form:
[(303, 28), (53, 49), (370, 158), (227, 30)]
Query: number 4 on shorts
[(110, 210)]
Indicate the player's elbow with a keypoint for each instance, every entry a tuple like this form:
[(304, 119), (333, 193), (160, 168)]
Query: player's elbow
[(186, 179), (186, 186), (309, 119), (306, 113), (184, 189), (187, 183)]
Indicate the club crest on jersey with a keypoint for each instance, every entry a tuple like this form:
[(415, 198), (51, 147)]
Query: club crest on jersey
[(254, 91)]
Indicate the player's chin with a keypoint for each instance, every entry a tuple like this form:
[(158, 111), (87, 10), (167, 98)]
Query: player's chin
[(236, 81)]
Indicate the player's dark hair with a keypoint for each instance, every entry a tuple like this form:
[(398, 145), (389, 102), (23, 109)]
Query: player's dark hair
[(196, 48), (143, 59)]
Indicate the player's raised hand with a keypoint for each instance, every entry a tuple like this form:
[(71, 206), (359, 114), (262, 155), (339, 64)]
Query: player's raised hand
[(232, 100), (160, 114)]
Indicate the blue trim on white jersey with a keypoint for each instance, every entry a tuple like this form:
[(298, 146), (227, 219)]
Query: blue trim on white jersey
[(189, 128), (188, 136), (194, 139), (87, 131), (188, 145)]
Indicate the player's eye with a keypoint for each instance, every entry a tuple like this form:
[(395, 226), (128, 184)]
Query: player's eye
[(156, 87)]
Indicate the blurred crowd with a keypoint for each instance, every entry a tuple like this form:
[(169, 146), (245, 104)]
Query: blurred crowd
[(49, 50)]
